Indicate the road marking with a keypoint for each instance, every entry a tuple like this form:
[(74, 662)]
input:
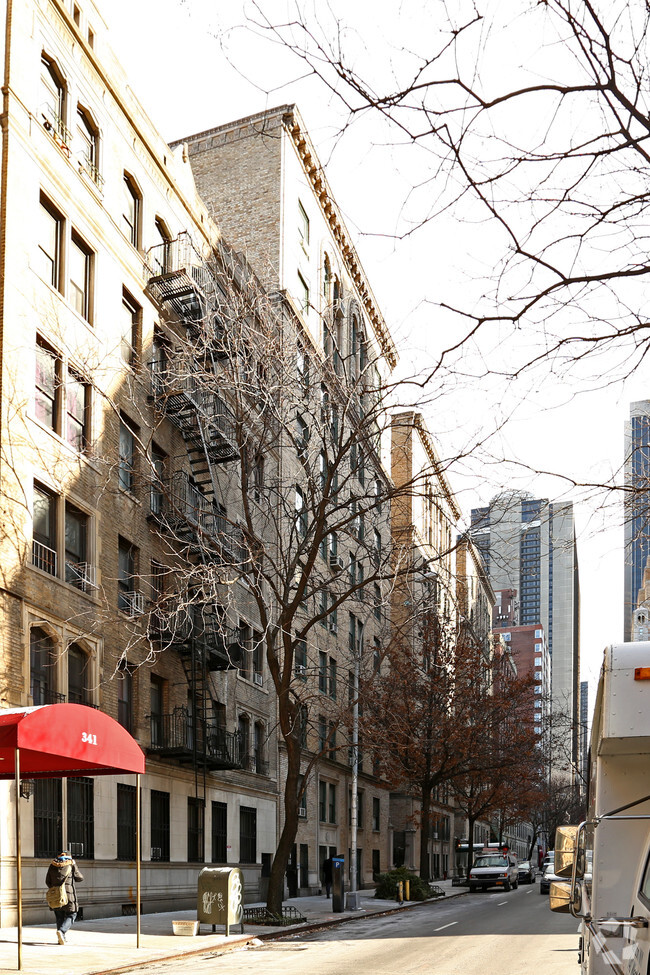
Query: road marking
[(501, 903), (451, 924)]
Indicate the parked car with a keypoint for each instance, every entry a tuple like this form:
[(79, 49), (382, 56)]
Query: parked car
[(548, 877), (549, 858), (526, 872), (494, 870)]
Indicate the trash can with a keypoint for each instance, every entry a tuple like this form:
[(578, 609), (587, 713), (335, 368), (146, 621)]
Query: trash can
[(338, 884), (220, 897)]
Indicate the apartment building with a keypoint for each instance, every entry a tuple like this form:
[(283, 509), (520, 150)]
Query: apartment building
[(424, 614), (263, 179), (121, 554)]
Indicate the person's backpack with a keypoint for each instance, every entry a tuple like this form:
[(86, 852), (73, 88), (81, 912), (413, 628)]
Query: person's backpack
[(57, 896)]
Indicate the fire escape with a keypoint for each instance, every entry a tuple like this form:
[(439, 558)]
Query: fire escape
[(185, 505)]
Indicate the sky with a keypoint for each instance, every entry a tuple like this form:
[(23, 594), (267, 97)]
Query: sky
[(195, 64)]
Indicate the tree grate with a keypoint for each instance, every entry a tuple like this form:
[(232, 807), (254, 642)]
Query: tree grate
[(260, 915)]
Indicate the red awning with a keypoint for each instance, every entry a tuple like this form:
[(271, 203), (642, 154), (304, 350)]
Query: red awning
[(60, 740)]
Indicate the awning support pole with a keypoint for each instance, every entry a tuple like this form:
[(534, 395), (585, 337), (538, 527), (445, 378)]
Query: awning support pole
[(19, 875), (137, 861)]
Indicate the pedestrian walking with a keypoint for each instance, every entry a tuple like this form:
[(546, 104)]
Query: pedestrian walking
[(60, 880), (328, 868)]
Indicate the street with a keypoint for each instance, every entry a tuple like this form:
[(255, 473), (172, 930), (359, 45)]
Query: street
[(491, 932)]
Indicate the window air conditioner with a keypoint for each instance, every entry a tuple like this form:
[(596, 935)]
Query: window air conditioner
[(257, 679)]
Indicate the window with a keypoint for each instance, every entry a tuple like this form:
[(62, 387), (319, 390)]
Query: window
[(301, 513), (81, 818), (77, 569), (126, 468), (300, 659), (303, 227), (87, 139), (78, 665), (302, 438), (42, 664), (377, 600), (157, 488), (376, 657), (130, 339), (331, 741), (258, 478), (332, 678), (125, 695), (126, 568), (48, 387), (247, 835), (53, 105), (244, 729), (47, 383), (302, 797), (331, 808), (322, 733), (44, 554), (539, 634), (80, 260), (195, 830), (126, 823), (219, 832), (322, 801), (377, 545), (302, 366), (77, 412), (156, 706), (159, 825), (130, 210), (322, 672), (258, 748), (376, 814), (160, 254), (48, 817), (303, 294), (50, 239)]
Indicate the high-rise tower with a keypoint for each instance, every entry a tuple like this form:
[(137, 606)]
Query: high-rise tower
[(637, 507), (529, 545)]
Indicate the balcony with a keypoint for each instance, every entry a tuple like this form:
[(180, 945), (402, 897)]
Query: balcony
[(179, 504), (182, 392), (81, 575), (177, 279), (196, 630), (178, 736)]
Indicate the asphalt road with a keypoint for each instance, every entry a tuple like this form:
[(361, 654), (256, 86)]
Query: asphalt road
[(490, 933)]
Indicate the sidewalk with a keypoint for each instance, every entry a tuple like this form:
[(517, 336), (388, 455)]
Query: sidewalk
[(109, 944)]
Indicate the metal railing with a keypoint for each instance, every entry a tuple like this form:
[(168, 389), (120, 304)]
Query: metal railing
[(178, 733), (81, 575), (44, 557)]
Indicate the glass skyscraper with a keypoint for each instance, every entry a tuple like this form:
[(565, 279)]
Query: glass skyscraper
[(529, 545)]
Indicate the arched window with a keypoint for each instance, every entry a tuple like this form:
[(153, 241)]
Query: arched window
[(78, 666), (42, 663), (327, 281), (53, 99), (160, 252)]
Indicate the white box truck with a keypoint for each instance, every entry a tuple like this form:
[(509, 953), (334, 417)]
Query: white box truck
[(606, 859)]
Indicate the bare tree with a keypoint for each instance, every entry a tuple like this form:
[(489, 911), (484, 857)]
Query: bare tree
[(534, 131), (279, 512)]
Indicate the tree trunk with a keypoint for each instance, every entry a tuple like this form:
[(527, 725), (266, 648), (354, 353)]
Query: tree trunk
[(470, 843), (285, 843)]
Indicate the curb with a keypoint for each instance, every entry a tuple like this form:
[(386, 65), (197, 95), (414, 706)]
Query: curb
[(270, 936)]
